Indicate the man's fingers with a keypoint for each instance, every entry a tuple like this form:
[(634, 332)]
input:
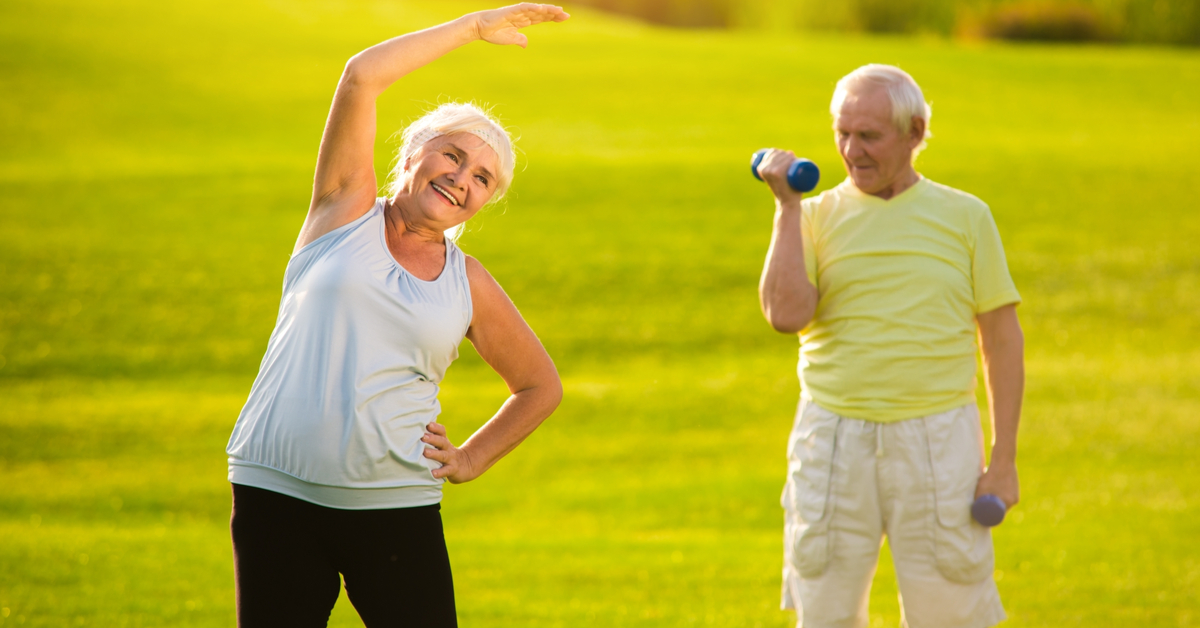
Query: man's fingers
[(776, 162), (780, 157), (768, 160), (436, 428)]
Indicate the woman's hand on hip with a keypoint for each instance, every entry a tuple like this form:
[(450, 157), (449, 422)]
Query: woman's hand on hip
[(502, 26), (456, 463)]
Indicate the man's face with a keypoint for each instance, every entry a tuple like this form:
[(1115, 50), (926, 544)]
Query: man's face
[(876, 154)]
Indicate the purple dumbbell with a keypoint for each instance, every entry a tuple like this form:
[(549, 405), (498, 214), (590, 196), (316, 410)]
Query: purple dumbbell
[(988, 510)]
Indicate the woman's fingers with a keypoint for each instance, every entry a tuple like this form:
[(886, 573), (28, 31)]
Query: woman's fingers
[(440, 442), (446, 470), (501, 25), (450, 468), (456, 463), (439, 455), (440, 449), (528, 13)]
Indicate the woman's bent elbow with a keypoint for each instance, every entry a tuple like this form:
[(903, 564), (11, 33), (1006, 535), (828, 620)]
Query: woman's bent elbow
[(355, 75), (554, 393)]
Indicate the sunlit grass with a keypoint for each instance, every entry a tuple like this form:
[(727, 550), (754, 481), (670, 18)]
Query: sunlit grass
[(155, 167)]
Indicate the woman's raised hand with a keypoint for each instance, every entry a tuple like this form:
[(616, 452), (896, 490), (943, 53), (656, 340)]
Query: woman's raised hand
[(502, 26)]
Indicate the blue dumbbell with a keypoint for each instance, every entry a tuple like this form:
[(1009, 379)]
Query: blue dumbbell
[(988, 510), (802, 175)]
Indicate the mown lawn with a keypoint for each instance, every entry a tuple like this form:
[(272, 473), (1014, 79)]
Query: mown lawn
[(155, 163)]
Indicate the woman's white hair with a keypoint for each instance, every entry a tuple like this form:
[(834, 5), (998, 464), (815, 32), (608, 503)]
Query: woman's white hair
[(905, 95), (448, 119)]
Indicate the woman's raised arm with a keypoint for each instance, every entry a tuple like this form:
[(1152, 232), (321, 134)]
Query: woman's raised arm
[(344, 186)]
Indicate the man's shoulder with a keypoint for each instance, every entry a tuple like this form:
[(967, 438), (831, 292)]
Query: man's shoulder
[(830, 199), (953, 198)]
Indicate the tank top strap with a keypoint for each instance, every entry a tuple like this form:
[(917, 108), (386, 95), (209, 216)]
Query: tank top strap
[(457, 261)]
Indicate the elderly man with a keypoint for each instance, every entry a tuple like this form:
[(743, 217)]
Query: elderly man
[(888, 278)]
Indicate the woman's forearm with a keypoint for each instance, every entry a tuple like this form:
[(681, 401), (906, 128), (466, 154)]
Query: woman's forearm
[(377, 67), (520, 415)]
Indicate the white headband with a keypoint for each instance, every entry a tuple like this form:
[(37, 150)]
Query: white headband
[(421, 138)]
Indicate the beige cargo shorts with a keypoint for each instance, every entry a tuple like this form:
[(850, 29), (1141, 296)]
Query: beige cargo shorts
[(850, 482)]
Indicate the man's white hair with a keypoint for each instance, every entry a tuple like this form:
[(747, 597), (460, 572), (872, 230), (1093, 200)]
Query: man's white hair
[(905, 95), (448, 119)]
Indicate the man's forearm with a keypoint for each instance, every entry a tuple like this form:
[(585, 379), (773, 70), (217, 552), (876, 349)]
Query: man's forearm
[(1003, 346), (787, 297), (1006, 386)]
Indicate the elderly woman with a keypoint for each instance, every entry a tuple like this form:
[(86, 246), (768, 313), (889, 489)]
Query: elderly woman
[(336, 460)]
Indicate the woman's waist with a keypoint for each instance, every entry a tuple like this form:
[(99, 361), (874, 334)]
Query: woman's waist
[(355, 448), (403, 492)]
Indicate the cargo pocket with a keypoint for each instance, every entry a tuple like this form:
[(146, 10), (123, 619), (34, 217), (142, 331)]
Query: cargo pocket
[(806, 495), (963, 548)]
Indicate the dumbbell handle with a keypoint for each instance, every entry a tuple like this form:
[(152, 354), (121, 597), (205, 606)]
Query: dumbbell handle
[(802, 176)]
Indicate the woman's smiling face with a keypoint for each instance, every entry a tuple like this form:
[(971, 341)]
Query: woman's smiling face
[(451, 178)]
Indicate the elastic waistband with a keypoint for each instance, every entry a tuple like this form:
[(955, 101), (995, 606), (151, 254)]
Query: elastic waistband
[(257, 476)]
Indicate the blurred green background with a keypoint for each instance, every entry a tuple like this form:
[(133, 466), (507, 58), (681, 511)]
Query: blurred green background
[(1154, 21), (155, 165)]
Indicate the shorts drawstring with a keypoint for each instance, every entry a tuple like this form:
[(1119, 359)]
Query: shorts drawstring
[(878, 440)]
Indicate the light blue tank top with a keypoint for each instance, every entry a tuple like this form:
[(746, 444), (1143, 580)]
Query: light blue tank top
[(351, 374)]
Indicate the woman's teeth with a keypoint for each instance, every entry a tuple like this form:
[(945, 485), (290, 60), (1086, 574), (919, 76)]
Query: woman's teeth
[(444, 193)]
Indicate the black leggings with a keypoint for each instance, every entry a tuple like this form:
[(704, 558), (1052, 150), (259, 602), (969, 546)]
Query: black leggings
[(287, 554)]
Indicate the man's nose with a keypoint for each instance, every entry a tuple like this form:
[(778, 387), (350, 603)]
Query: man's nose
[(852, 148)]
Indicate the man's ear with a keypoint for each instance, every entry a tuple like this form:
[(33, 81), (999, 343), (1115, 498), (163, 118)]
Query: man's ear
[(917, 131)]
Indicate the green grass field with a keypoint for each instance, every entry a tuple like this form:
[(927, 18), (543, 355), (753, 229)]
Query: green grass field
[(155, 164)]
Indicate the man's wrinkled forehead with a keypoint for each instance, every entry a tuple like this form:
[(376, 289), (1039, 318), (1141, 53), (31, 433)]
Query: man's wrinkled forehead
[(864, 106)]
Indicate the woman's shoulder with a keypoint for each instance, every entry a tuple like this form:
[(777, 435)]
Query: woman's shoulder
[(482, 284), (321, 222), (333, 233), (474, 269)]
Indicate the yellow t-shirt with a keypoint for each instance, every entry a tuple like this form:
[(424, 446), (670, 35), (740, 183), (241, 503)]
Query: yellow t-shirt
[(900, 283)]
